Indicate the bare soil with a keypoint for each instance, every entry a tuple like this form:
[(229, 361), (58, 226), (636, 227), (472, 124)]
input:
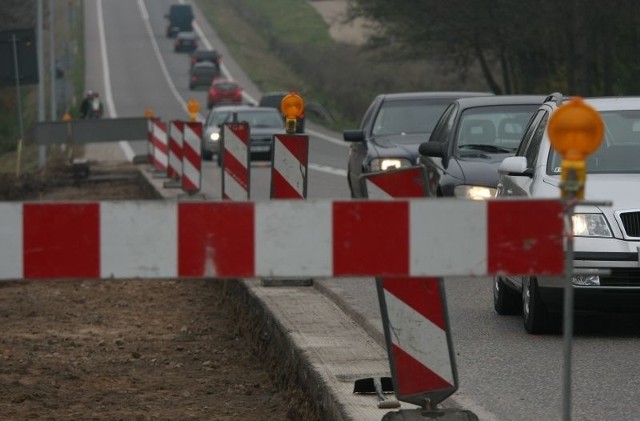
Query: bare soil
[(131, 349)]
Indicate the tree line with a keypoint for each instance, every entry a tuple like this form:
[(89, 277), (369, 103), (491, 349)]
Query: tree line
[(580, 47)]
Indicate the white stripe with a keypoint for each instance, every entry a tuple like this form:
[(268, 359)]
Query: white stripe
[(161, 135), (191, 173), (289, 166), (176, 137), (233, 189), (419, 337), (448, 237), (236, 146), (375, 192), (287, 251), (11, 244), (138, 239), (327, 169), (192, 139)]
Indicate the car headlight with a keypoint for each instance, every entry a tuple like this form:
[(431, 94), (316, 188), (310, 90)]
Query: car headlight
[(590, 225), (383, 164), (474, 192), (215, 136)]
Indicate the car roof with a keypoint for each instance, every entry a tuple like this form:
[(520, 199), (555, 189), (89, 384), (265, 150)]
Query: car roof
[(206, 53), (614, 103), (432, 95), (470, 102), (224, 108), (187, 35)]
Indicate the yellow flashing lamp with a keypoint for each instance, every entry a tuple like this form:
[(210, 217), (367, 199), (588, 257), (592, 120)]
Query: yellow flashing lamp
[(291, 107), (148, 113), (66, 117), (193, 106), (575, 131)]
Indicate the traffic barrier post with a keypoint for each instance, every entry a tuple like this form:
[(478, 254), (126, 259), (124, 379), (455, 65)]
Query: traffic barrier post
[(150, 151), (192, 157), (174, 169), (289, 166), (236, 160), (160, 147)]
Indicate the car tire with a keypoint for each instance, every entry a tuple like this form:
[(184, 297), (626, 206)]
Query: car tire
[(536, 317), (219, 159), (506, 301), (207, 156)]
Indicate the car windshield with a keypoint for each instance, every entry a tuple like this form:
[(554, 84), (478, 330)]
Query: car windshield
[(225, 86), (256, 119), (497, 128), (619, 151), (411, 116)]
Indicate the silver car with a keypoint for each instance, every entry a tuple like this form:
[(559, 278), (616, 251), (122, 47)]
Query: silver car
[(606, 238), (264, 122)]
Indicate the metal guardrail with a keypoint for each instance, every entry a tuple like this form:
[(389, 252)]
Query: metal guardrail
[(89, 131)]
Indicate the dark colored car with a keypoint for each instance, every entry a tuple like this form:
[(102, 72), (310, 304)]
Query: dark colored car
[(391, 130), (203, 74), (180, 18), (264, 122), (211, 56), (223, 91), (186, 42), (471, 139), (273, 100)]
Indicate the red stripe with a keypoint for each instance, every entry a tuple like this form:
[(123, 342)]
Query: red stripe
[(412, 377), (402, 183), (217, 234), (525, 237), (297, 145), (423, 295), (237, 170), (240, 130), (281, 189), (364, 245), (61, 240)]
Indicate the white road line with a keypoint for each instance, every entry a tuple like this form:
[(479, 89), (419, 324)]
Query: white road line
[(108, 94)]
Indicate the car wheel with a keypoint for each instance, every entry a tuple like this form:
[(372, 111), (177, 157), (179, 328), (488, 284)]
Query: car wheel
[(207, 156), (535, 315), (219, 157), (506, 301)]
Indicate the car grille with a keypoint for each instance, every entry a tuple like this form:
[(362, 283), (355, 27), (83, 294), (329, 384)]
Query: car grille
[(621, 277), (631, 223)]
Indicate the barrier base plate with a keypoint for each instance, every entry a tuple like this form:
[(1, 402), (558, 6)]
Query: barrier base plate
[(424, 415), (286, 282)]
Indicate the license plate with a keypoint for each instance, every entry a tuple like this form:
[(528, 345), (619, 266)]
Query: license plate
[(260, 149)]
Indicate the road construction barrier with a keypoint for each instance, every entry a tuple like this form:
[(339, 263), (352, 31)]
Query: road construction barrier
[(401, 183), (289, 165), (174, 169), (402, 238), (422, 360), (150, 141), (236, 161), (160, 145), (192, 157)]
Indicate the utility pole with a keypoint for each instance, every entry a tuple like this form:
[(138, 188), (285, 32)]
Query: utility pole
[(52, 57), (42, 151)]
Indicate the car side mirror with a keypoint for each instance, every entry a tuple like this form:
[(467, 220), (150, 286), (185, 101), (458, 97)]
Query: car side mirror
[(432, 149), (353, 135), (514, 165)]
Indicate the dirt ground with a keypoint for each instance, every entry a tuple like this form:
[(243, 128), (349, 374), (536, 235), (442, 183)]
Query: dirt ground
[(130, 349)]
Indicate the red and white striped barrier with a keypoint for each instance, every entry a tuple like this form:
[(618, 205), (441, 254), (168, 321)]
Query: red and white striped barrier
[(404, 238), (160, 145), (403, 183), (289, 166), (150, 141), (236, 161), (192, 157), (421, 357), (174, 169)]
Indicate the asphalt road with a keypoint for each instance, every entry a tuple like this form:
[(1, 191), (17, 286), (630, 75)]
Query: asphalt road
[(504, 373)]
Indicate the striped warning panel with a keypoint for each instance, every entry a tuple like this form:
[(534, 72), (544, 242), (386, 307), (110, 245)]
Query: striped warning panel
[(284, 238)]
